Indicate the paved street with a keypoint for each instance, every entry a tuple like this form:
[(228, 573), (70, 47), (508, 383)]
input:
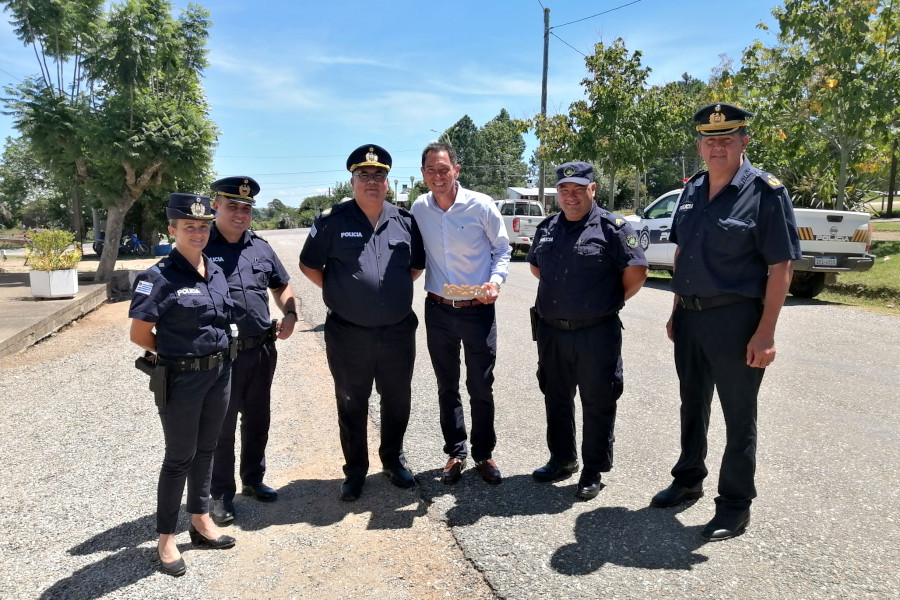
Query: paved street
[(824, 524), (82, 449)]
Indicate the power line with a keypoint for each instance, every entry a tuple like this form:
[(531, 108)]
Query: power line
[(568, 44), (597, 15)]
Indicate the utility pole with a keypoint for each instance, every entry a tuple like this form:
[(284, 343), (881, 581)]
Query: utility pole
[(544, 104)]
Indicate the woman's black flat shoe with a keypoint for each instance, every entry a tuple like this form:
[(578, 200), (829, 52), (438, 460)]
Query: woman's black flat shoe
[(175, 569), (220, 543)]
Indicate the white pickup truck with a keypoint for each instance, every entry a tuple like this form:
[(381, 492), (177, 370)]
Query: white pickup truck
[(521, 218), (831, 241)]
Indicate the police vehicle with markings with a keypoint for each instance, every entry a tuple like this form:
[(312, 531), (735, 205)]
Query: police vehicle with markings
[(831, 241)]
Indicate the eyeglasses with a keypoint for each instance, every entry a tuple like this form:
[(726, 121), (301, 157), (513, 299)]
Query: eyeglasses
[(378, 176)]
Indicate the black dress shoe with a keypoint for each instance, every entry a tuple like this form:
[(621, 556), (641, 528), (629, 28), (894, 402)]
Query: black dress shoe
[(400, 476), (221, 510), (261, 492), (223, 542), (726, 526), (588, 487), (175, 568), (676, 494), (453, 470), (554, 470), (489, 471), (351, 489)]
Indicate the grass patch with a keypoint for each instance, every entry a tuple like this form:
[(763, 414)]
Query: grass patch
[(886, 226)]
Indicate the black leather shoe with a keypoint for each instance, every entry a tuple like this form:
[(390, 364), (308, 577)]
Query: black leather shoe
[(676, 494), (554, 470), (588, 487), (489, 471), (221, 510), (453, 470), (261, 492), (351, 489), (724, 527), (223, 542), (175, 568), (400, 476)]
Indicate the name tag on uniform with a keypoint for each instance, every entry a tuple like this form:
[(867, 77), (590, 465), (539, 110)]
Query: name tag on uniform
[(189, 292), (685, 207), (351, 234), (216, 259)]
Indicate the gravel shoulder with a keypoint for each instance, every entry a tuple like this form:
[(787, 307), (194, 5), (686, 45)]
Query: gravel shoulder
[(83, 447)]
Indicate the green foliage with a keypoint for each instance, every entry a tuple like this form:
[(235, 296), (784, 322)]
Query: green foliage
[(53, 250), (23, 182)]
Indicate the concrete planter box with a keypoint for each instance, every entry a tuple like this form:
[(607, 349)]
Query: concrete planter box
[(54, 284)]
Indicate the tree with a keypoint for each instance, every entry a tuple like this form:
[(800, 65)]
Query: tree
[(829, 85), (141, 120), (24, 182)]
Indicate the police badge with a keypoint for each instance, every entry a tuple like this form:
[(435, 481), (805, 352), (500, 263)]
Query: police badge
[(197, 209)]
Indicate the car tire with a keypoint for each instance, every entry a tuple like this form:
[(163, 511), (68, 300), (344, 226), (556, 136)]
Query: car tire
[(645, 239), (806, 284)]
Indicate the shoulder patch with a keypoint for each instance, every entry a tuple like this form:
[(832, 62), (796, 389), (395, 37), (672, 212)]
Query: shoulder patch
[(326, 212)]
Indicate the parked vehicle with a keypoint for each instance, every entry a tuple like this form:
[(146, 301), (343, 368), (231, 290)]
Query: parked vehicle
[(130, 244), (521, 218), (831, 241)]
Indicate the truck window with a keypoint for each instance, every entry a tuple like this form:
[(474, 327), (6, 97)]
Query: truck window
[(521, 209), (534, 210)]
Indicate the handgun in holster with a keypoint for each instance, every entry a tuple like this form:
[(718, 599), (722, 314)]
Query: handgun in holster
[(157, 374), (233, 343), (535, 319), (273, 330)]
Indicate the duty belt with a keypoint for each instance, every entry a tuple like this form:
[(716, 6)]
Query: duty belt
[(454, 303), (201, 363), (698, 303), (255, 340), (569, 325)]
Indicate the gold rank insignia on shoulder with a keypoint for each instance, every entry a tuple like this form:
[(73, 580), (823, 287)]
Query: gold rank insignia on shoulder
[(197, 209), (773, 180), (371, 156), (619, 222)]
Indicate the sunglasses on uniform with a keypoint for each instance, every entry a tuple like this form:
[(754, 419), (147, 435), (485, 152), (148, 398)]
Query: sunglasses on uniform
[(378, 176)]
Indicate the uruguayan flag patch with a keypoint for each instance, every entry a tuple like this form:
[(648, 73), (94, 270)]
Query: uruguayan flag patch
[(144, 287)]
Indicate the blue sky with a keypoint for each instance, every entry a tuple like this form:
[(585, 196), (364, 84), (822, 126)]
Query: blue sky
[(295, 86)]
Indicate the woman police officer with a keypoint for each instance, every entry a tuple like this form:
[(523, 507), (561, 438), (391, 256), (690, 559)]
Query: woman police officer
[(185, 297)]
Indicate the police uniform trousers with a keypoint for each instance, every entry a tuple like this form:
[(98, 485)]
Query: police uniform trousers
[(475, 329), (357, 356), (710, 352), (252, 372), (191, 421), (591, 360)]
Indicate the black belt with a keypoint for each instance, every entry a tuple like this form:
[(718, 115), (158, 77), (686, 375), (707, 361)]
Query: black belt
[(253, 341), (454, 303), (201, 363), (569, 325), (698, 303)]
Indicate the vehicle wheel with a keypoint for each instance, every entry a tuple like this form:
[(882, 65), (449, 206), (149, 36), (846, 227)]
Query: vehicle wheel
[(807, 285), (645, 239), (142, 250), (98, 248)]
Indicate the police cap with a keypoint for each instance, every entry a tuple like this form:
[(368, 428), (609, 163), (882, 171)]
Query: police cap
[(189, 206), (240, 189), (581, 173), (720, 118), (369, 155)]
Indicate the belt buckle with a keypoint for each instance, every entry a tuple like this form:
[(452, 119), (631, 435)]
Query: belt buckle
[(453, 303), (194, 364), (696, 302), (566, 324)]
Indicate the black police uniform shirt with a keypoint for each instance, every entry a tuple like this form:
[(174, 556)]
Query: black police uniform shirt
[(192, 314), (581, 264), (726, 245), (251, 268), (366, 270)]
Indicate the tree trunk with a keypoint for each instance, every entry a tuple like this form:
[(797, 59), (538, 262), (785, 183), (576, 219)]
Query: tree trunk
[(612, 190), (637, 189), (840, 201), (114, 220), (76, 222), (892, 183)]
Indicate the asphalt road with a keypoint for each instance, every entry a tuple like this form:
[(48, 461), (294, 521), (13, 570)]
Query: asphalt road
[(824, 524)]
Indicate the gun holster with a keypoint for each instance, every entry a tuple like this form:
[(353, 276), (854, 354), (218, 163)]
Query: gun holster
[(157, 375), (535, 319)]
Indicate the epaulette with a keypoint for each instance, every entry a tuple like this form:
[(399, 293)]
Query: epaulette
[(617, 220), (770, 179), (256, 236), (699, 173)]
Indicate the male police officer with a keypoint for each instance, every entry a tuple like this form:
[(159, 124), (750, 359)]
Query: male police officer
[(589, 263), (253, 270), (736, 237), (465, 244), (365, 255)]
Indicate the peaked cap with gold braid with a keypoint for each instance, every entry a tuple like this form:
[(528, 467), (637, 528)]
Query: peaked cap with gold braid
[(240, 189), (369, 155), (720, 119)]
